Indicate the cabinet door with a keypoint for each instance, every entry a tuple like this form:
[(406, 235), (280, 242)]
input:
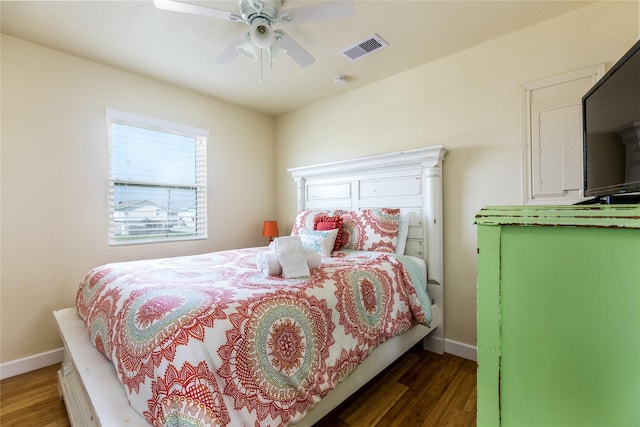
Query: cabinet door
[(553, 136), (570, 326), (556, 144)]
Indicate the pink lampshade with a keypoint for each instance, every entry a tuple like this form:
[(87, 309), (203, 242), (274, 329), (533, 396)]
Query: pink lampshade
[(270, 229)]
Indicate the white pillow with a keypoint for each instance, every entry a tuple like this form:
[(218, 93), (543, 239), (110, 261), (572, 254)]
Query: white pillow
[(403, 232), (320, 241)]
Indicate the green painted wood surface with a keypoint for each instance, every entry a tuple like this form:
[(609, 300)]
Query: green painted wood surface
[(558, 321), (489, 333), (625, 216)]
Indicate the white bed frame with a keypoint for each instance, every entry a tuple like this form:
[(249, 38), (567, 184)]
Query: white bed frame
[(410, 180)]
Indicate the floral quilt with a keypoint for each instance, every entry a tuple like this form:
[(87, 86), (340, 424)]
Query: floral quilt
[(208, 340)]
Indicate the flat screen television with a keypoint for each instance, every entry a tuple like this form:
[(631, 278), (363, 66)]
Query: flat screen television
[(611, 133)]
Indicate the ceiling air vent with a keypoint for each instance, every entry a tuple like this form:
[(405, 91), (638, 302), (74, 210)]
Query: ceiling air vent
[(365, 47)]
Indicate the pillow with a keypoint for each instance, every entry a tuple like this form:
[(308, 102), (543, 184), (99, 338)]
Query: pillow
[(325, 222), (373, 230), (403, 233), (320, 241), (304, 219)]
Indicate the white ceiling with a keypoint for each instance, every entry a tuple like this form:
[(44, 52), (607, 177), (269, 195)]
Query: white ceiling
[(181, 49)]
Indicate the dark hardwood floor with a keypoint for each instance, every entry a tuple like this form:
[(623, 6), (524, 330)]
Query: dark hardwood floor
[(419, 389)]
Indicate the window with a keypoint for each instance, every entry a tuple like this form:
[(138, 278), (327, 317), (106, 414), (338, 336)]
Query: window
[(158, 182)]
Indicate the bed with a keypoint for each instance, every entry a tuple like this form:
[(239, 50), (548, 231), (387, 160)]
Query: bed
[(407, 184)]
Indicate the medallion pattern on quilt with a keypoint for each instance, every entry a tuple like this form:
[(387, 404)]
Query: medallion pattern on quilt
[(101, 324), (258, 280), (274, 359), (95, 281), (154, 321), (344, 366), (365, 303), (187, 397)]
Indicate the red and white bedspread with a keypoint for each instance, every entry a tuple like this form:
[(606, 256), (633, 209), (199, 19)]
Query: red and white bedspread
[(208, 340)]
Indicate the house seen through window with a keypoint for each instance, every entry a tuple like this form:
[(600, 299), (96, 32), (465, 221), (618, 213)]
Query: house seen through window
[(157, 186)]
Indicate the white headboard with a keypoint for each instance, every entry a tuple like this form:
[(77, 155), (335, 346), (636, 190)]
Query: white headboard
[(410, 180)]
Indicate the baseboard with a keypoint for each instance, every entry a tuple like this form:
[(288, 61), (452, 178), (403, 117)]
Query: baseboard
[(434, 344), (31, 363), (460, 349)]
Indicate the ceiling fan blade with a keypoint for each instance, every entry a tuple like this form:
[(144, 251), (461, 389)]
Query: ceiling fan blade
[(325, 11), (295, 51), (231, 52), (178, 6)]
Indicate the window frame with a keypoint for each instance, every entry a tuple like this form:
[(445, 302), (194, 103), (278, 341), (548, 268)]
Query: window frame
[(200, 137)]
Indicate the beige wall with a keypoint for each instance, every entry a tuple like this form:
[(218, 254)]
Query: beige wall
[(471, 102), (54, 165), (55, 171)]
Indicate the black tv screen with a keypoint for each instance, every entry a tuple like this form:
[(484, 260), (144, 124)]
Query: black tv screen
[(611, 130)]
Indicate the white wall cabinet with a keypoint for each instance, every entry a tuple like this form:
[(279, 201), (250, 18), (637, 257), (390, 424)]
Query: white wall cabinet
[(552, 154)]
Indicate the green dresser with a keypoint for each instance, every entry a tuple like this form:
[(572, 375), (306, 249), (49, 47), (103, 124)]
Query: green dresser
[(559, 316)]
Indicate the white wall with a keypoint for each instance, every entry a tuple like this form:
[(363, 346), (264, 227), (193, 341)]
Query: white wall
[(471, 103), (55, 180)]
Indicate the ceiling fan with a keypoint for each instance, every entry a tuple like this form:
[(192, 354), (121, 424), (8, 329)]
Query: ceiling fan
[(261, 16)]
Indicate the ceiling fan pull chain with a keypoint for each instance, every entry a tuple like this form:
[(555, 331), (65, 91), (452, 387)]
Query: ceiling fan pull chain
[(260, 65)]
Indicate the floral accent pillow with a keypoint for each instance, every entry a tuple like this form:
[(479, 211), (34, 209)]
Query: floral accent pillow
[(371, 230), (304, 219), (326, 222)]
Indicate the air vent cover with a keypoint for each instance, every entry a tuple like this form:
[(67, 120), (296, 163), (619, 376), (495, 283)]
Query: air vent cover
[(365, 47)]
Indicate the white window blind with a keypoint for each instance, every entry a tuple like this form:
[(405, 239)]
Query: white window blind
[(158, 182)]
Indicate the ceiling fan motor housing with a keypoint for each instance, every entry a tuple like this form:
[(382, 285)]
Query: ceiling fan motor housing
[(266, 8), (260, 15)]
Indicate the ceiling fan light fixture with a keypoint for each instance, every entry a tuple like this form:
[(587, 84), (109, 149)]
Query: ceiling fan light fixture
[(276, 51), (248, 50), (262, 34)]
